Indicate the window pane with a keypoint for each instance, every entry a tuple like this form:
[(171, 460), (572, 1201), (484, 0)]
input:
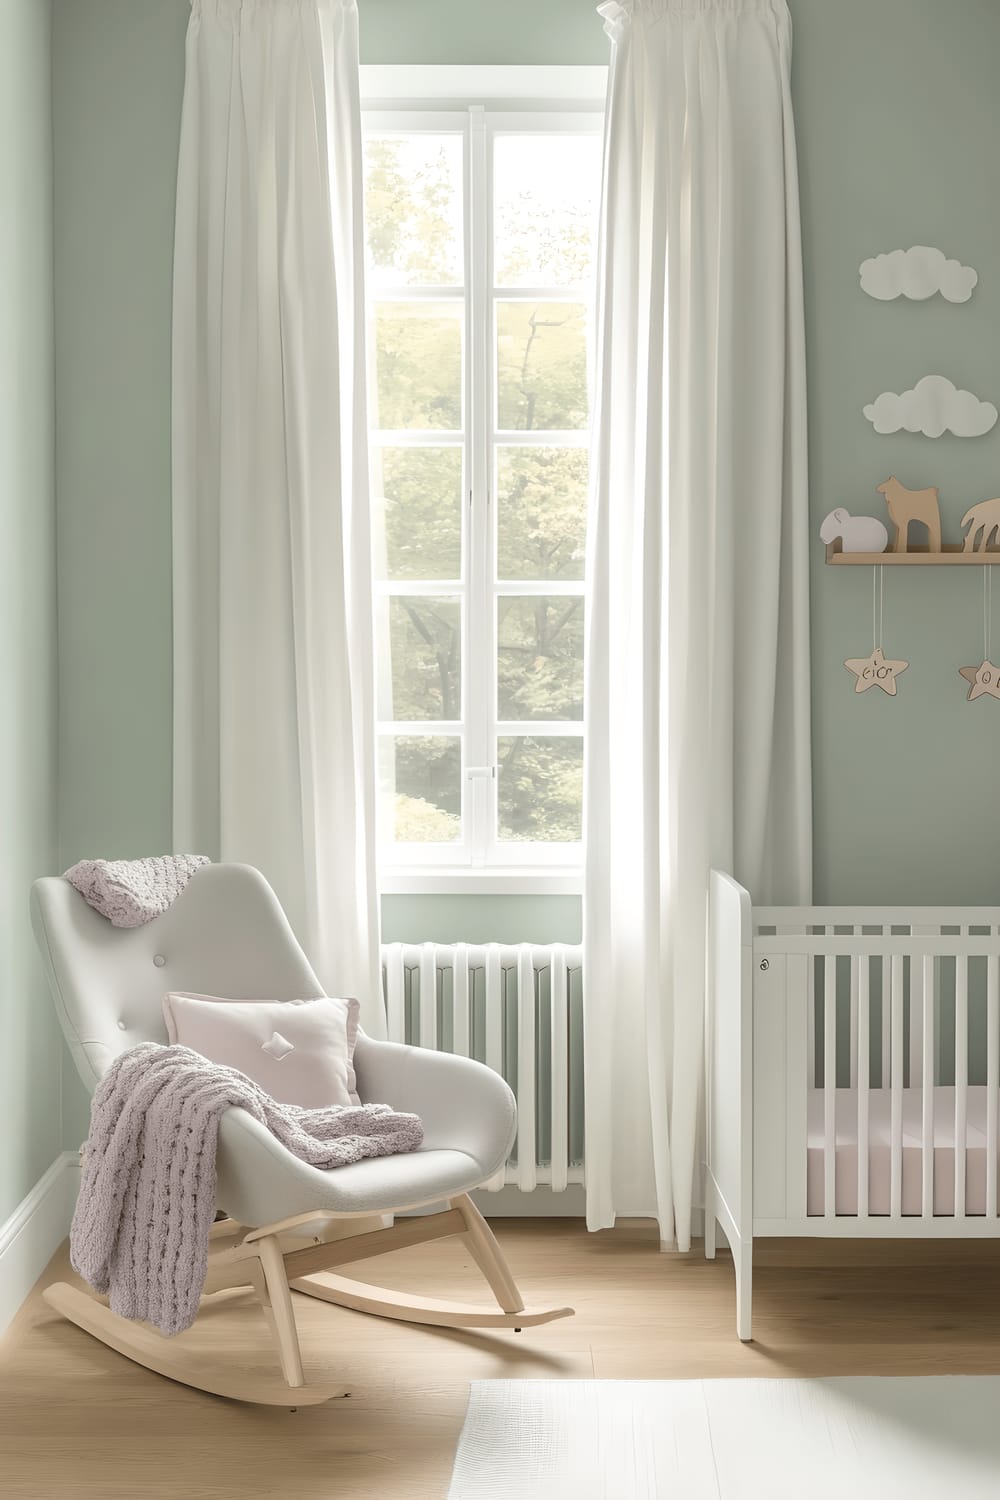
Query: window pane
[(540, 789), (541, 366), (418, 365), (541, 512), (413, 209), (540, 658), (425, 647), (546, 190), (417, 500), (420, 789)]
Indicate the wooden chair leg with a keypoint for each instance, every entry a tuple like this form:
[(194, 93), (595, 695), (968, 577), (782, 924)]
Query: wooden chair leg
[(279, 1309), (488, 1255)]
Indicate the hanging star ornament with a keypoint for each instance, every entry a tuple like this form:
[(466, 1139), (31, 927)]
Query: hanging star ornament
[(984, 679), (875, 671)]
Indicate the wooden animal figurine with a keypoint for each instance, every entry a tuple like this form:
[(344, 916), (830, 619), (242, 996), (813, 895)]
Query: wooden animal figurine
[(906, 506), (857, 533), (982, 520)]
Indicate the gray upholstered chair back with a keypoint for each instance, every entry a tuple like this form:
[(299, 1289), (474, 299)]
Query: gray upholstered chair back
[(225, 935)]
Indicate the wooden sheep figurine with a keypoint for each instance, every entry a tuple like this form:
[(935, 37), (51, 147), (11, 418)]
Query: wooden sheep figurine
[(857, 533), (906, 506)]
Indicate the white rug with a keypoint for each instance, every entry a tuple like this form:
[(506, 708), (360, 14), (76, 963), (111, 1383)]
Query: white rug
[(869, 1438)]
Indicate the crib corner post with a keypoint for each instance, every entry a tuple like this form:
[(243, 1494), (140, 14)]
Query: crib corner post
[(743, 1262), (710, 1219)]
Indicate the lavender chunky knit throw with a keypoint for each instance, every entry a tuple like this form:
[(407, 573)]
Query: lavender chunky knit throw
[(130, 892), (147, 1195)]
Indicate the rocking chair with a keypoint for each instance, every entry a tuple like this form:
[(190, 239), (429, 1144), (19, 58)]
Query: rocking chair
[(286, 1221)]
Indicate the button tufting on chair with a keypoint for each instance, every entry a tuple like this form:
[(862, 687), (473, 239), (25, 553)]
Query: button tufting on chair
[(159, 960), (121, 1025)]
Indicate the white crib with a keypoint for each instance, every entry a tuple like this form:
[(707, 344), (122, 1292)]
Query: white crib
[(852, 1073)]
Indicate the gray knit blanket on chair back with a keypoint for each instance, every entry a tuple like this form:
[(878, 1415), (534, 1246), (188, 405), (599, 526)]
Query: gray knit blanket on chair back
[(147, 1195)]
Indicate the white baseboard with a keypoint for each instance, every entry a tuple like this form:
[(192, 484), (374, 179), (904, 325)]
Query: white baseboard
[(34, 1232)]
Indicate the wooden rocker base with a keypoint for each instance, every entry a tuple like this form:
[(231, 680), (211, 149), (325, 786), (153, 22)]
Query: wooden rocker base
[(275, 1258), (361, 1297), (165, 1357)]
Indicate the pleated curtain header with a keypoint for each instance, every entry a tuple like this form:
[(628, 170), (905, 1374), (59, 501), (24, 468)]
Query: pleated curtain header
[(237, 9), (617, 14)]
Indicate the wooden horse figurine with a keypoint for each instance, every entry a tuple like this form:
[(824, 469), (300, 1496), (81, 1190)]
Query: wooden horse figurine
[(906, 506)]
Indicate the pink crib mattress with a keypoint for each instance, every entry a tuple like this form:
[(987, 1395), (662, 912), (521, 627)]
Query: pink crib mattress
[(879, 1151)]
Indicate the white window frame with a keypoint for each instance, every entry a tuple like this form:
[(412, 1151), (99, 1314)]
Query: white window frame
[(480, 103)]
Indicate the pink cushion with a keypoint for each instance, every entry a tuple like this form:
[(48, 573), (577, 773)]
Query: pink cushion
[(299, 1051)]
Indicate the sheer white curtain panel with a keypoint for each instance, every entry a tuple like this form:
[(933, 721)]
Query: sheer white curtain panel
[(697, 661), (274, 758)]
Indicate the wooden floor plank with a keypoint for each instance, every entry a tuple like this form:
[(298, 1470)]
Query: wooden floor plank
[(79, 1422)]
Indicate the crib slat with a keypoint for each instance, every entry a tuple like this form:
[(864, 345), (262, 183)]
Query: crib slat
[(798, 1067), (884, 1059), (918, 1040), (829, 1087), (864, 1030), (928, 975), (854, 1016), (896, 1085), (811, 1020), (961, 1077), (992, 1079)]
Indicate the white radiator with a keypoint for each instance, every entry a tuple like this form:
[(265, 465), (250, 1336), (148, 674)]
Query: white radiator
[(517, 1009)]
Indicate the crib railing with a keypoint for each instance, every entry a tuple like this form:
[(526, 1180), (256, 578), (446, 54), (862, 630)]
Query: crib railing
[(898, 1011)]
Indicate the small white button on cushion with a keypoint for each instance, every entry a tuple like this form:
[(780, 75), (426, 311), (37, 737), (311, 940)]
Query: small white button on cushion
[(159, 960), (279, 1046), (121, 1025)]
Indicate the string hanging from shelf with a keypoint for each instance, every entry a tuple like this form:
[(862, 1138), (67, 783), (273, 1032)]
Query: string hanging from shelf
[(876, 670), (984, 680)]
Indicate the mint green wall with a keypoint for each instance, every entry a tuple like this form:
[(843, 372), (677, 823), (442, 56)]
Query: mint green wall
[(118, 71), (481, 31), (898, 140), (30, 1051), (481, 919)]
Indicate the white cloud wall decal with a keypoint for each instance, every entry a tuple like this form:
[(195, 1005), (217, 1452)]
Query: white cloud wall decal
[(932, 407), (917, 273)]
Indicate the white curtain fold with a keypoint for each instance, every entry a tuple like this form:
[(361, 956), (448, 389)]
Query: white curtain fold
[(274, 759), (697, 663)]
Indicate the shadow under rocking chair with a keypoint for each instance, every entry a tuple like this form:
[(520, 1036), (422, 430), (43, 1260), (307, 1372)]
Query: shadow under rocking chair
[(227, 935)]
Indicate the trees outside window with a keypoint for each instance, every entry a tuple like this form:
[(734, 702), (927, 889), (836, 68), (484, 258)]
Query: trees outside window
[(480, 242)]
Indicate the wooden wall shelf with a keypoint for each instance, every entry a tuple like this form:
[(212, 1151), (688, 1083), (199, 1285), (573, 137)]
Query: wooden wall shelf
[(951, 554)]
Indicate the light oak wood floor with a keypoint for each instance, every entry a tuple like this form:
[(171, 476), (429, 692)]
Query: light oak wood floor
[(78, 1421)]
